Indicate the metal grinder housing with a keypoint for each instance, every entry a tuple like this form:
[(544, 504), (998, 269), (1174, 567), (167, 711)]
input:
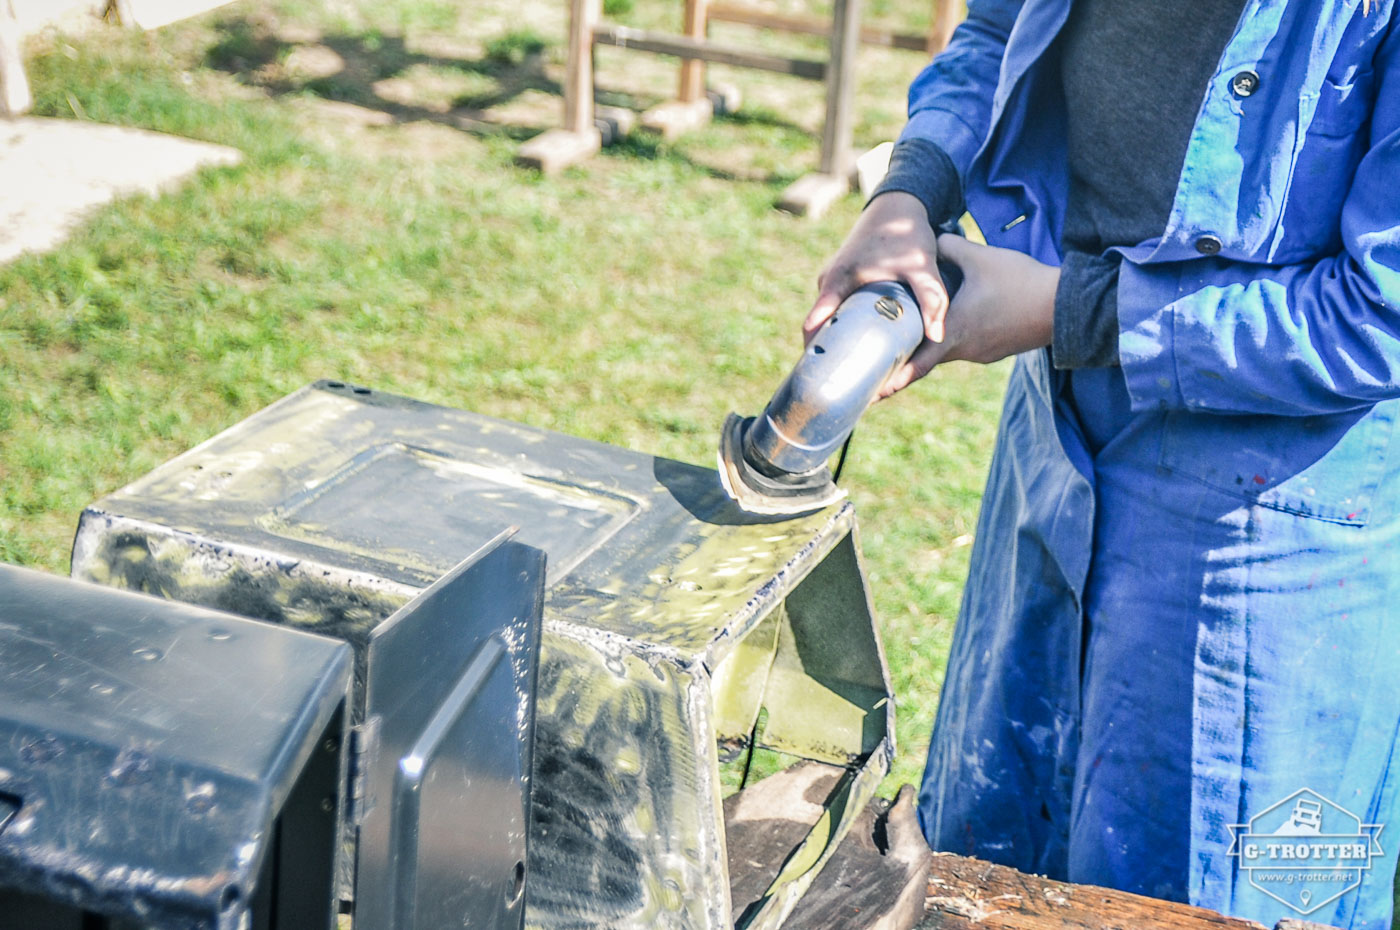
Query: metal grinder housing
[(775, 463)]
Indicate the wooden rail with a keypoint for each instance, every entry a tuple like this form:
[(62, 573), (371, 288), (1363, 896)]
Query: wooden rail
[(585, 126), (705, 50), (813, 26)]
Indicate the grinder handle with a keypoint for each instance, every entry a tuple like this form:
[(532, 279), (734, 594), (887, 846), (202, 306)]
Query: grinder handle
[(871, 334)]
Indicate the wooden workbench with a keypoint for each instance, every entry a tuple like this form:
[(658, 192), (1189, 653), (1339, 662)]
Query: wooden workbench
[(884, 877), (963, 894)]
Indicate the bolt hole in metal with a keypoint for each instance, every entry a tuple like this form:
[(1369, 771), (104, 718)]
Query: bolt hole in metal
[(516, 887), (230, 898), (361, 390), (818, 350), (335, 384), (201, 799)]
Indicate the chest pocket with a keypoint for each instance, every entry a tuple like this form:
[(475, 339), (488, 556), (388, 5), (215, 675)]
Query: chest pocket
[(1343, 104), (1325, 467)]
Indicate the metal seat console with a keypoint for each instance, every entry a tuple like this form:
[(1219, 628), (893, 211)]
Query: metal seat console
[(673, 623)]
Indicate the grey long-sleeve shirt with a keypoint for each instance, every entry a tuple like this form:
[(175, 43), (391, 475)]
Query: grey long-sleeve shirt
[(1133, 74)]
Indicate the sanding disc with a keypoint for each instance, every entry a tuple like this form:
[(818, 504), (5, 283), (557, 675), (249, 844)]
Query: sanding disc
[(755, 492)]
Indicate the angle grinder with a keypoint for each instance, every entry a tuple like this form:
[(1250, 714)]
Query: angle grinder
[(776, 462)]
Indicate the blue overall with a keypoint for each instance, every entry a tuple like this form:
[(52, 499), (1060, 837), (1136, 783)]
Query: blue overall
[(1184, 599)]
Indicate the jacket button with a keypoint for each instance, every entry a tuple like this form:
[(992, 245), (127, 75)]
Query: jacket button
[(1244, 83), (1208, 245)]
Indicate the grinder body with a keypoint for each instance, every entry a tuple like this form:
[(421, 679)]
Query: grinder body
[(776, 462)]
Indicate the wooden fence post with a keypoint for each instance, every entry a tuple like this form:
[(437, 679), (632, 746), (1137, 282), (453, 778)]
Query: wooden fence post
[(945, 20), (811, 195), (580, 138), (693, 69)]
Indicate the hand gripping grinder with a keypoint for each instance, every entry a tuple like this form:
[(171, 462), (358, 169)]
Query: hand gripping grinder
[(775, 463)]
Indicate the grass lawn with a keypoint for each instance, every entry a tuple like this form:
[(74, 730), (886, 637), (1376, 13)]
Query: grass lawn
[(378, 232)]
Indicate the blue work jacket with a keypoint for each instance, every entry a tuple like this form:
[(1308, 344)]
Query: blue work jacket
[(1184, 601)]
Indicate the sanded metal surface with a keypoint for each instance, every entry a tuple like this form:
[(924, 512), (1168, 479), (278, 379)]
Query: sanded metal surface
[(312, 513), (150, 752)]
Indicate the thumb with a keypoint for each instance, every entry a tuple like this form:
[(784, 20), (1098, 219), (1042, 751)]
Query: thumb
[(957, 249)]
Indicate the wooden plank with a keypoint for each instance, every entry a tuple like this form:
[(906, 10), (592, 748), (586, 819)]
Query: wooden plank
[(964, 894), (813, 194), (614, 123), (836, 157), (557, 149), (578, 76), (693, 69), (683, 47), (153, 14), (813, 25), (877, 878), (674, 118)]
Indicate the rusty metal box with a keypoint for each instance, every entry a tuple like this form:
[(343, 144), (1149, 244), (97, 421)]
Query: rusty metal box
[(671, 620)]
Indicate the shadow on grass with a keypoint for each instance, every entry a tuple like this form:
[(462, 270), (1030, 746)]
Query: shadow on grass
[(254, 54), (647, 147)]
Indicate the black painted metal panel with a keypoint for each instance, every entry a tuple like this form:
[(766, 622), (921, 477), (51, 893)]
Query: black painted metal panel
[(148, 750)]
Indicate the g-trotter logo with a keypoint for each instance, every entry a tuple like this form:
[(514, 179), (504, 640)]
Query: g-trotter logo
[(1305, 851)]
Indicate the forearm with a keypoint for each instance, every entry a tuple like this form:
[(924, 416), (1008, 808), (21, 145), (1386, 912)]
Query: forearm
[(922, 169)]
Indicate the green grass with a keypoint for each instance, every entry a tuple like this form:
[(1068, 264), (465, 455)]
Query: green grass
[(635, 300)]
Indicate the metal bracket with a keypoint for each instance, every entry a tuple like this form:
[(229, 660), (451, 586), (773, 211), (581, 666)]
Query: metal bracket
[(364, 749)]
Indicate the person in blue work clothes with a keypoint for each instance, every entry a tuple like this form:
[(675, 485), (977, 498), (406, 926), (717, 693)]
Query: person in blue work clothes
[(1184, 599)]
